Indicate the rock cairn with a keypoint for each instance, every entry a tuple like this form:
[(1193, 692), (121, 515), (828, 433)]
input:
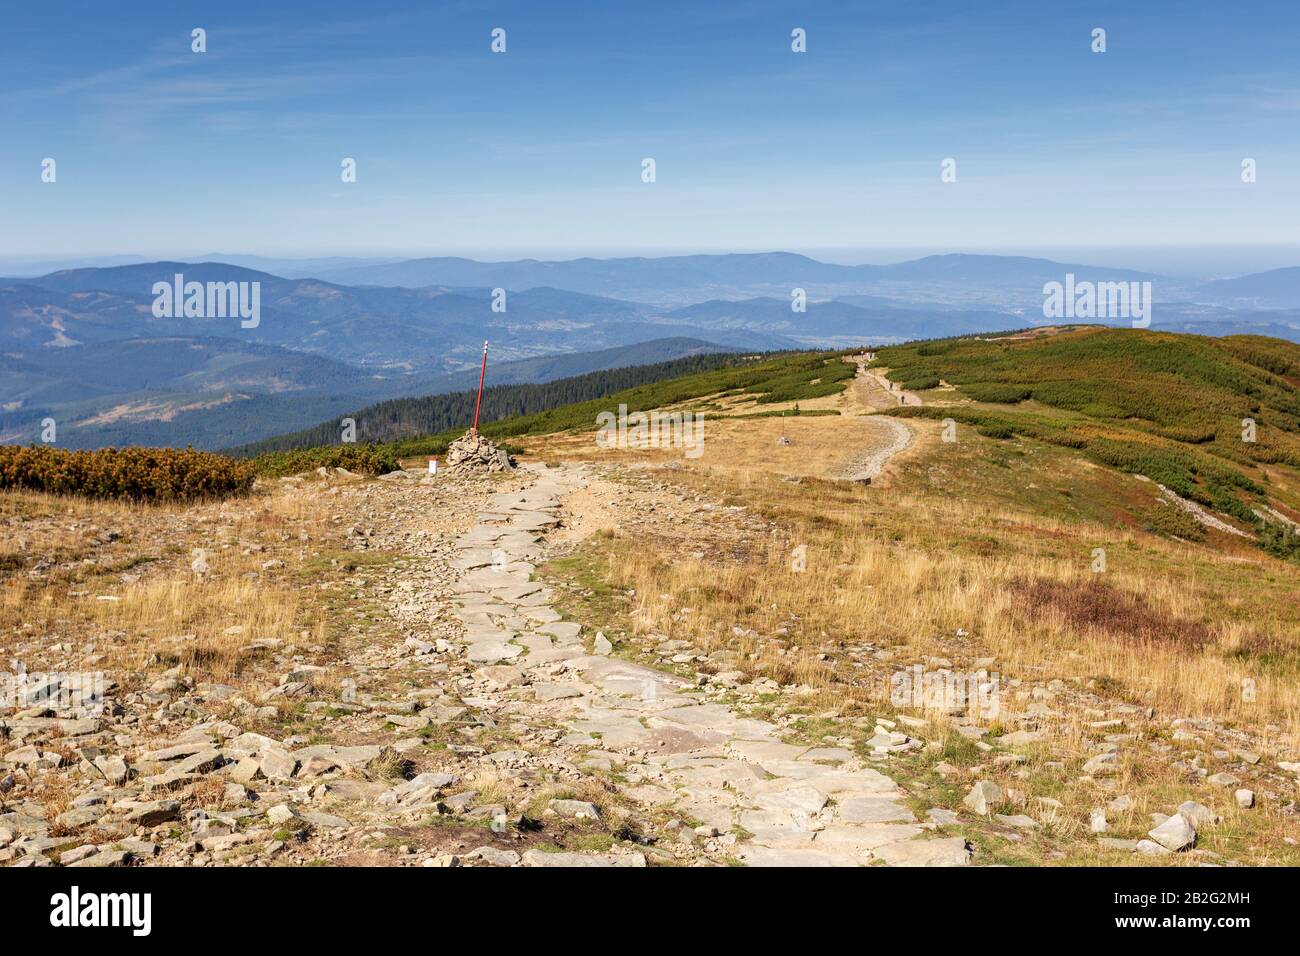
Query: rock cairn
[(476, 453)]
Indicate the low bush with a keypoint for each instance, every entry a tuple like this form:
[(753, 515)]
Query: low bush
[(132, 474), (362, 459), (1278, 539), (997, 392), (1171, 521)]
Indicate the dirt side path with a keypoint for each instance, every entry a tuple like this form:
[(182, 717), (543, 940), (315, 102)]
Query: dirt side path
[(884, 436), (873, 391)]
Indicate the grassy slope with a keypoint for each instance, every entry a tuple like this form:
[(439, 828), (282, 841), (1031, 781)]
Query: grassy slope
[(785, 378), (789, 378), (1170, 407)]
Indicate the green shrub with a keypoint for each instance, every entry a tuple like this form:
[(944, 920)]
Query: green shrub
[(1278, 539), (362, 459), (1171, 521), (999, 392), (131, 474), (913, 379)]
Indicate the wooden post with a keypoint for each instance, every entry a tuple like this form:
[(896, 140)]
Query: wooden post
[(479, 401)]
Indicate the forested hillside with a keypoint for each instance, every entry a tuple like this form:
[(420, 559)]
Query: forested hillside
[(398, 419)]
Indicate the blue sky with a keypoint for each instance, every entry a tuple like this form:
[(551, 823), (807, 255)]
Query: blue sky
[(538, 151)]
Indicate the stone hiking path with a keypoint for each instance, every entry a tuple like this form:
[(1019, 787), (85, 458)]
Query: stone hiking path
[(799, 806)]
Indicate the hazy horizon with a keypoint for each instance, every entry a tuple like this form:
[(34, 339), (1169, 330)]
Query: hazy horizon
[(1189, 261)]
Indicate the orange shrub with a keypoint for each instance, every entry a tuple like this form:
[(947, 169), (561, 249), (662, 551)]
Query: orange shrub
[(135, 474)]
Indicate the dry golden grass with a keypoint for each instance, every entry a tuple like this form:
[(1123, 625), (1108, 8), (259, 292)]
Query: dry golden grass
[(136, 598), (1163, 637), (205, 626), (905, 565)]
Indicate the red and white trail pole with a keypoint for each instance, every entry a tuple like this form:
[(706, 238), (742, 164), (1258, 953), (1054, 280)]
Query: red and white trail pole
[(482, 373)]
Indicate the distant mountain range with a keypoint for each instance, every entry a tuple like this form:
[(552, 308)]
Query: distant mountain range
[(674, 280), (82, 345), (1277, 288)]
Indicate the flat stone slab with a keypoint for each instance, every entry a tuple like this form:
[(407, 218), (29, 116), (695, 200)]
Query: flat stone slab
[(736, 775), (872, 810), (476, 634), (651, 795), (550, 655), (353, 758), (717, 718), (799, 799), (479, 536), (949, 851), (492, 652), (760, 750), (625, 678), (778, 827), (564, 860), (562, 630), (860, 839), (836, 783), (472, 558), (532, 499), (514, 593), (555, 691), (534, 600), (766, 856), (532, 521), (542, 614), (827, 755), (513, 540), (489, 579)]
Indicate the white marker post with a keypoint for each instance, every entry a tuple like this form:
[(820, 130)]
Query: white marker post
[(433, 466)]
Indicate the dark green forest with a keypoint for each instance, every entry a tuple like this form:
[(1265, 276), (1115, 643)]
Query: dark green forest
[(401, 418)]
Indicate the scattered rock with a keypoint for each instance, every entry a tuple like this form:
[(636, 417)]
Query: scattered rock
[(1150, 848), (1199, 815), (153, 813), (1176, 833), (578, 809), (277, 764), (983, 797), (497, 857), (1102, 764)]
